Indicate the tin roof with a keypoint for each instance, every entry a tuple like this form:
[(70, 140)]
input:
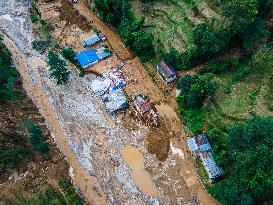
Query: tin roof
[(91, 40), (87, 58), (166, 70)]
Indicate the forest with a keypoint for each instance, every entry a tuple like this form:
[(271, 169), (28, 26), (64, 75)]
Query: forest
[(230, 96)]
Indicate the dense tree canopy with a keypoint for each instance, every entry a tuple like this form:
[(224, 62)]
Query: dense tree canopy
[(194, 90), (251, 156)]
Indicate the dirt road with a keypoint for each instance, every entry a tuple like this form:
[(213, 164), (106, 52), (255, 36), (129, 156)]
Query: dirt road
[(114, 40), (93, 141), (88, 184)]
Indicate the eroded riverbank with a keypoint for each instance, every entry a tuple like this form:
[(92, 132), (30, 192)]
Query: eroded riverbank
[(92, 140)]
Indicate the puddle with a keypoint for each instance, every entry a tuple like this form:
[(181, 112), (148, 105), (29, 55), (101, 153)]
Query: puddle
[(134, 158)]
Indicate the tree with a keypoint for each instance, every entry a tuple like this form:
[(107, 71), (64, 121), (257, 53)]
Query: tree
[(250, 152), (69, 54), (58, 68), (194, 90), (174, 59), (205, 40)]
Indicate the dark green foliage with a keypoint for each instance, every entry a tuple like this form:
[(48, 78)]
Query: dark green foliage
[(207, 44), (194, 119), (8, 75), (220, 66), (36, 137), (111, 11), (70, 194), (34, 18), (12, 156), (118, 13), (174, 59), (250, 152), (58, 69), (246, 25), (42, 45), (194, 90), (206, 40), (69, 54)]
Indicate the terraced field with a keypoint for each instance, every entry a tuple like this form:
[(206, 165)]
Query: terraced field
[(171, 22)]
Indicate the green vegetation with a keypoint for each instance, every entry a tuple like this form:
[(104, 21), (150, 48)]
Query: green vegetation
[(11, 157), (69, 54), (65, 196), (119, 14), (36, 137), (194, 91), (8, 75), (58, 68), (43, 32), (250, 181)]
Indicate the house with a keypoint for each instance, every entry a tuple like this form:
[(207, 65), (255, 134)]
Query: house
[(115, 100), (141, 104), (91, 41), (87, 58), (166, 71), (200, 148)]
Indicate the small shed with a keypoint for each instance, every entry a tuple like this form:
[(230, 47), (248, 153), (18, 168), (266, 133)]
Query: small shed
[(91, 41), (193, 147), (202, 142), (87, 58), (115, 100), (166, 71), (200, 147), (102, 36), (141, 104), (211, 167)]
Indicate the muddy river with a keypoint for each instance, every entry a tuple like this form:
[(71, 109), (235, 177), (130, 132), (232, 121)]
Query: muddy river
[(135, 160)]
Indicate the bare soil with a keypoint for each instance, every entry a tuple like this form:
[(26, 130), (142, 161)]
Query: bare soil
[(37, 172), (74, 116)]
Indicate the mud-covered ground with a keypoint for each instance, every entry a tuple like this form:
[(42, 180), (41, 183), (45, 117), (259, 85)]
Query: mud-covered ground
[(86, 134)]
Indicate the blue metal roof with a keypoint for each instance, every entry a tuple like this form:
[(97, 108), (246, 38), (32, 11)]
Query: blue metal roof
[(192, 146), (87, 58), (91, 41)]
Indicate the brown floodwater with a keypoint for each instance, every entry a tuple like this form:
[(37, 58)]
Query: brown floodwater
[(134, 158)]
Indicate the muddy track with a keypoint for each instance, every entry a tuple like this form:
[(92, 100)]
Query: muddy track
[(87, 183), (114, 39)]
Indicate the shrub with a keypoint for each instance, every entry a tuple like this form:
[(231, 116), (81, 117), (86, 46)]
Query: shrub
[(194, 90), (34, 18), (36, 137), (58, 69), (42, 45), (11, 157), (195, 119), (69, 54)]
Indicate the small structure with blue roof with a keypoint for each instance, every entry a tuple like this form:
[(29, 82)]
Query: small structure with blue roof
[(91, 41), (87, 58), (200, 147)]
